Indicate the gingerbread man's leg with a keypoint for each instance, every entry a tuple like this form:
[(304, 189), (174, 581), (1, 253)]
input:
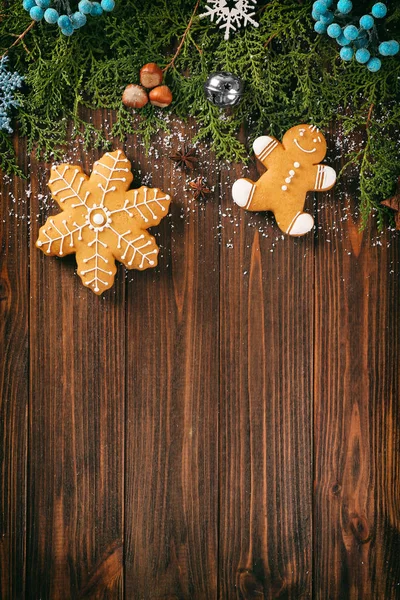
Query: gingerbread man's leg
[(292, 222)]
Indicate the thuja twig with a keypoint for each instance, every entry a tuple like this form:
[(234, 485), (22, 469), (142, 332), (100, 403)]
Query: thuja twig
[(19, 38), (371, 108), (179, 48)]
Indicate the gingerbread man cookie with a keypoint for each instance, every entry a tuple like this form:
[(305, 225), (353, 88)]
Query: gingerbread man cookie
[(293, 169), (102, 220)]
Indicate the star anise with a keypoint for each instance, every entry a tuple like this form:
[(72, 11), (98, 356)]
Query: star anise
[(200, 189), (394, 204), (185, 158)]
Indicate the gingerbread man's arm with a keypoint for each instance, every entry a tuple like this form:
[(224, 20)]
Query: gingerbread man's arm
[(323, 178), (265, 147)]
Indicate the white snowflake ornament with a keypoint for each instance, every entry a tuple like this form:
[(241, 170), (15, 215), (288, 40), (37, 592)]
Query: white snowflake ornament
[(102, 220), (231, 19)]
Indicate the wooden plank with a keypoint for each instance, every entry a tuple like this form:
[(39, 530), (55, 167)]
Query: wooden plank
[(76, 434), (357, 409), (14, 382), (172, 399), (266, 406)]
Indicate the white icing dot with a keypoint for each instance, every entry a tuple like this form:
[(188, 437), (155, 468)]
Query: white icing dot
[(301, 134), (39, 243), (151, 262), (291, 172), (96, 289), (288, 180), (284, 187), (98, 219), (315, 140), (296, 165), (168, 197)]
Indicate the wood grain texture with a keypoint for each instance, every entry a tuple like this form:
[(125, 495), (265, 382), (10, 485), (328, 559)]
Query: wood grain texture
[(225, 426), (76, 432), (357, 409), (172, 404), (266, 407), (14, 382)]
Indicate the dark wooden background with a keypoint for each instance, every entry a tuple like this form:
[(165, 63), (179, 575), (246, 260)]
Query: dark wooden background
[(225, 426)]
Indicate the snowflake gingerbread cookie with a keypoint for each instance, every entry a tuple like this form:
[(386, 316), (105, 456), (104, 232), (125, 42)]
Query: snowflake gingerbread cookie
[(293, 169), (102, 220)]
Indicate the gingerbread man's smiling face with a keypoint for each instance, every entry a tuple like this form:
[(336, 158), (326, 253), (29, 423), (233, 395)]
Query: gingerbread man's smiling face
[(307, 142)]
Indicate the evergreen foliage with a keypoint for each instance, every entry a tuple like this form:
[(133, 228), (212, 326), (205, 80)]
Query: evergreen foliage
[(290, 73)]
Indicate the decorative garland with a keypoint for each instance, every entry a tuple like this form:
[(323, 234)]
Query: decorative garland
[(290, 74), (67, 21), (354, 35)]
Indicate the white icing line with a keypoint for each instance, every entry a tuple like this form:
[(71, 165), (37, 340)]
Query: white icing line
[(61, 237), (292, 222), (268, 149), (302, 149), (135, 249)]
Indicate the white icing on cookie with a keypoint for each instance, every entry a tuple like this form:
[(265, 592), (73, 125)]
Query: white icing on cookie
[(99, 217), (303, 149)]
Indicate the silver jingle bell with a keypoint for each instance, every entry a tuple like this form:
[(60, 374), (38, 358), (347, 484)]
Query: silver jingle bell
[(223, 89)]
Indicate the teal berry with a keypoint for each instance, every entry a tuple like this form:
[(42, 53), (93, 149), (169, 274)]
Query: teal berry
[(384, 49), (64, 22), (343, 41), (96, 9), (319, 8), (344, 6), (379, 10), (51, 16), (362, 56), (350, 32), (320, 27), (107, 5), (346, 53), (394, 47), (327, 18), (78, 20), (390, 48), (85, 6), (315, 16), (36, 13), (43, 3), (28, 4), (367, 22), (374, 64), (334, 30), (66, 26)]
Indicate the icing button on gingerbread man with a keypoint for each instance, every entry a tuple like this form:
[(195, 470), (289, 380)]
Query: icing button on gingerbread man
[(293, 169)]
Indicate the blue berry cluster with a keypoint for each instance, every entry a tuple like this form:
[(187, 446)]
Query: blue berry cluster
[(9, 82), (358, 38), (68, 23)]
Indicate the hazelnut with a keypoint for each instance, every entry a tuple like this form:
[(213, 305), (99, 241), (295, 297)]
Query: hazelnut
[(134, 96), (161, 96), (151, 75)]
